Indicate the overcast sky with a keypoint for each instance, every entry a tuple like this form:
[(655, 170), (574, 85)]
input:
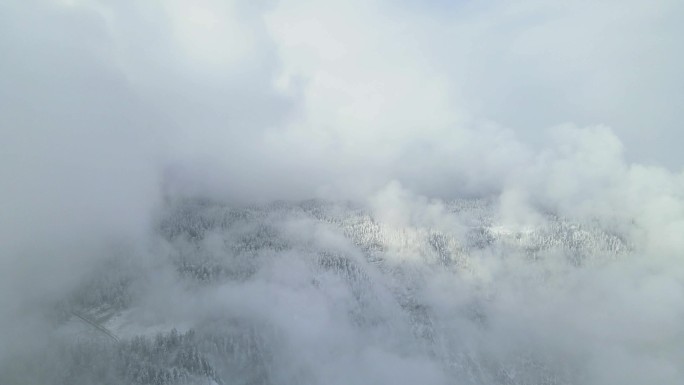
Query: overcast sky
[(328, 90)]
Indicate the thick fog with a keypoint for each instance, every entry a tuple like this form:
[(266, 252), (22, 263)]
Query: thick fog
[(354, 191)]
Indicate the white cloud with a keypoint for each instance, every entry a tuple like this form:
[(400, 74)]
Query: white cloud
[(568, 107)]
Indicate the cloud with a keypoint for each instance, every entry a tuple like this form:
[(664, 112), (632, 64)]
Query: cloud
[(79, 160), (110, 110), (294, 99), (531, 65)]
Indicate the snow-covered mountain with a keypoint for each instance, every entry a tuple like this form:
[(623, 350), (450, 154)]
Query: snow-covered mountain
[(318, 292)]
